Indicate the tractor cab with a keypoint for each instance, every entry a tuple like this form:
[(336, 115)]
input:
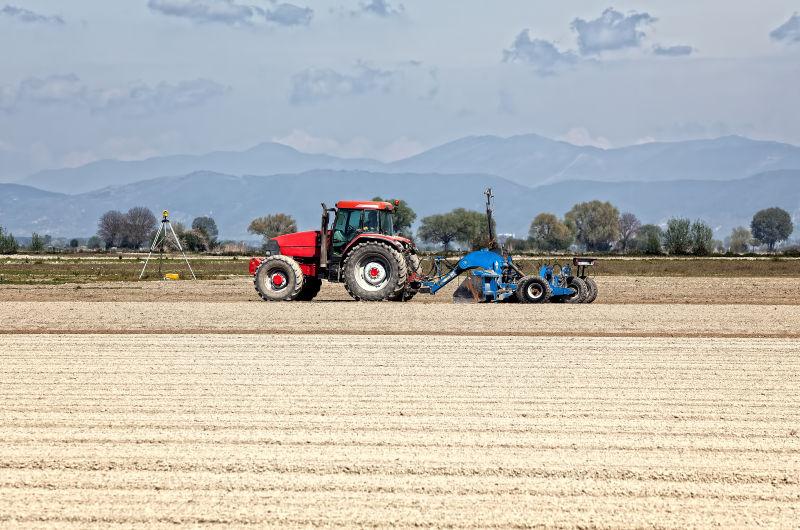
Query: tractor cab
[(354, 218)]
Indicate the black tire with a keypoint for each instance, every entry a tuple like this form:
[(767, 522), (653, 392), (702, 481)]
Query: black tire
[(278, 278), (413, 266), (386, 267), (533, 290), (580, 288), (311, 287), (591, 285)]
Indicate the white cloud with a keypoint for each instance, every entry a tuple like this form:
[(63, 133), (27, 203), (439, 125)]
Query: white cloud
[(582, 137), (379, 8), (542, 55), (673, 51), (137, 99), (290, 15), (30, 17), (611, 31), (788, 32), (117, 148), (411, 78), (231, 13), (313, 85), (358, 147)]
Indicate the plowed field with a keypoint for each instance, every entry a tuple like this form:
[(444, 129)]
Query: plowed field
[(159, 412)]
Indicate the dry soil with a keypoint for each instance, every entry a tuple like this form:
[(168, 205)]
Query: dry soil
[(176, 410)]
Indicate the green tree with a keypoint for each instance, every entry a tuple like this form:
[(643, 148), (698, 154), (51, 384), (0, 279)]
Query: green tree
[(771, 226), (595, 224), (8, 245), (740, 240), (208, 227), (194, 241), (403, 215), (548, 233), (94, 243), (472, 228), (629, 224), (74, 243), (678, 237), (702, 237), (273, 225), (648, 239), (37, 243), (467, 227), (513, 244), (439, 228)]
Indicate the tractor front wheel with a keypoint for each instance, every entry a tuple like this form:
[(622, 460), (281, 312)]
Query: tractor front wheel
[(375, 271), (533, 290), (278, 278)]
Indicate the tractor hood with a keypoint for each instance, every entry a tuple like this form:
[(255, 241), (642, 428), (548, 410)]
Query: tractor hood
[(299, 244)]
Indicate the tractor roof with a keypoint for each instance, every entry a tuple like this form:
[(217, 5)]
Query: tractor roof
[(365, 205)]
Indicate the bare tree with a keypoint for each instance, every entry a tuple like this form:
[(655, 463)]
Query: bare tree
[(629, 226), (111, 228), (140, 225)]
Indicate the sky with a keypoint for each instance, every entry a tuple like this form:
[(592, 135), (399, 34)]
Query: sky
[(128, 79)]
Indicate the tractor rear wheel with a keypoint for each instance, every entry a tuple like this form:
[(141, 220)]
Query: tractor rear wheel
[(591, 285), (413, 265), (580, 288), (375, 271), (278, 278), (311, 287), (533, 290)]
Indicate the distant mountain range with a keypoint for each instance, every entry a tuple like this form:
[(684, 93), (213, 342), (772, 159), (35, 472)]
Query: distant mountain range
[(529, 160), (263, 159), (234, 200)]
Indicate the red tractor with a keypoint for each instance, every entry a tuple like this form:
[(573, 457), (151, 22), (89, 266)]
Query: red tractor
[(360, 250)]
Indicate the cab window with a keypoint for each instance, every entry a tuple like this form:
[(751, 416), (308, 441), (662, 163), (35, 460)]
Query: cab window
[(387, 226), (370, 223), (345, 227)]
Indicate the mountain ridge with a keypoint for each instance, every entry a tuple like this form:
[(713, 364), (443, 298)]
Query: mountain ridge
[(529, 159), (234, 200)]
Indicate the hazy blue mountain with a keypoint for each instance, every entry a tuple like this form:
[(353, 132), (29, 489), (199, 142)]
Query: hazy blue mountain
[(532, 160), (529, 160), (234, 200), (263, 159)]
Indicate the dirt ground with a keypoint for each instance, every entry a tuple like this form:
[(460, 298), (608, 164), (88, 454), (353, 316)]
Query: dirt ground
[(613, 290), (163, 404)]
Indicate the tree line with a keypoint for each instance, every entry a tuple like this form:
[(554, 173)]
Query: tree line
[(137, 227), (594, 226)]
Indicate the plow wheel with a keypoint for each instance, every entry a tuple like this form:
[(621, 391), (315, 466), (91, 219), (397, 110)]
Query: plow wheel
[(591, 286), (533, 290), (311, 287), (581, 291), (375, 271), (278, 278)]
